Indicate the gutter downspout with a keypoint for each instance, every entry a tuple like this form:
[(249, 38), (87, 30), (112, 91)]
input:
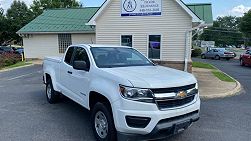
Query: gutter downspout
[(187, 49)]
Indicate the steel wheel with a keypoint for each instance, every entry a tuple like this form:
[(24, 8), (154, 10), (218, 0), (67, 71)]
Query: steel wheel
[(48, 92), (101, 124)]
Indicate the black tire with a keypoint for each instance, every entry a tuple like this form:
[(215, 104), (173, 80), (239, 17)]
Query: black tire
[(51, 95), (101, 108), (241, 62), (203, 56), (217, 57)]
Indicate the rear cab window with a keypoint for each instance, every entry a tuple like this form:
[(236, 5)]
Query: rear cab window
[(68, 56)]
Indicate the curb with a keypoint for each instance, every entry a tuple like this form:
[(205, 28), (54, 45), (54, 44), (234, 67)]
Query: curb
[(234, 92), (5, 70)]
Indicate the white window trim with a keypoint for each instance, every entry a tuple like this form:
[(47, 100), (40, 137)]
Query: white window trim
[(147, 45), (125, 34)]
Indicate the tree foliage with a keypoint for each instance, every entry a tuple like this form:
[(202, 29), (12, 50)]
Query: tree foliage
[(224, 32), (39, 5), (227, 22), (245, 26), (18, 15)]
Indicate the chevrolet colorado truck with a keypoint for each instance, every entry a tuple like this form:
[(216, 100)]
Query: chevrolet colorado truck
[(130, 98)]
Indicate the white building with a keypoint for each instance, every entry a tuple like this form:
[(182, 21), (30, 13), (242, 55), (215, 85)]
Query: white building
[(160, 29)]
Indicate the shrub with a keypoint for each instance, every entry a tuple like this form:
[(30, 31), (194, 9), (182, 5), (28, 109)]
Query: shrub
[(7, 59), (196, 52)]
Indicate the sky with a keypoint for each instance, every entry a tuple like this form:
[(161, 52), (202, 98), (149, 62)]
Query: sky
[(220, 7)]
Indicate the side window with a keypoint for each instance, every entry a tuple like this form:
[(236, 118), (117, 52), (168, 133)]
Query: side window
[(126, 40), (68, 55), (81, 55)]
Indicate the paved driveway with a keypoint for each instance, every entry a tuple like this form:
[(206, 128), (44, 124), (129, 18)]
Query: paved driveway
[(25, 114)]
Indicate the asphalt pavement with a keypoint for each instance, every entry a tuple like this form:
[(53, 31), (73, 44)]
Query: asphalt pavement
[(25, 114)]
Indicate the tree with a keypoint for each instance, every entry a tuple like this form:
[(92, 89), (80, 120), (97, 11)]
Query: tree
[(18, 15), (229, 22), (225, 31), (39, 5), (245, 26), (3, 25)]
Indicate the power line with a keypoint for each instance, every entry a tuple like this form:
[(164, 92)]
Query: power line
[(223, 31)]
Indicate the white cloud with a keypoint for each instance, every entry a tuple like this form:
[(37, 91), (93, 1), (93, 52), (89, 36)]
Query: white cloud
[(5, 4), (239, 10)]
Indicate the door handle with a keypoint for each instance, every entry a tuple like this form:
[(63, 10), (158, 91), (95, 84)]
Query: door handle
[(69, 72)]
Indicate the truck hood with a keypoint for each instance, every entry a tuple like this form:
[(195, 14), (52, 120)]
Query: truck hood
[(153, 76)]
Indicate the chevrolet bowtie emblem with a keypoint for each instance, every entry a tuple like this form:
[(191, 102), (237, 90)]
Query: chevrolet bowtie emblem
[(181, 94)]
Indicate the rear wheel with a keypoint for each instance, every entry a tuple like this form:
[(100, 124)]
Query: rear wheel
[(217, 57), (51, 94), (203, 56), (102, 123)]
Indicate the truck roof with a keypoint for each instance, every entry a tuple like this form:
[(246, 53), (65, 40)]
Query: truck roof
[(99, 45)]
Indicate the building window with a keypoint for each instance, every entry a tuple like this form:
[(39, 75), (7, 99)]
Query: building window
[(64, 41), (126, 40), (154, 46)]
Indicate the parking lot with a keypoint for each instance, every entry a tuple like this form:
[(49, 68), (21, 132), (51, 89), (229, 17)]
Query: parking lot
[(25, 114)]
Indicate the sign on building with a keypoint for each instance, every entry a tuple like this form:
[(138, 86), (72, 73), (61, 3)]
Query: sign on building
[(141, 7), (209, 44)]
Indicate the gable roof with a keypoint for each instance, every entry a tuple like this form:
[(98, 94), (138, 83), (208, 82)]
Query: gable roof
[(180, 2), (61, 21), (203, 10)]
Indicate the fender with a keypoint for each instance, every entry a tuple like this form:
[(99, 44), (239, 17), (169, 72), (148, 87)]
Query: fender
[(106, 88), (52, 74)]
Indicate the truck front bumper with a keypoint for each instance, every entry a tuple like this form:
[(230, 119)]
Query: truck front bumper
[(161, 124), (164, 128)]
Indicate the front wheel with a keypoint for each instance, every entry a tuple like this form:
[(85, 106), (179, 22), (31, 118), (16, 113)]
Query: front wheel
[(217, 57), (102, 123), (241, 62)]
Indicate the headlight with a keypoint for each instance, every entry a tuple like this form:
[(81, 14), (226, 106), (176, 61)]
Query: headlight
[(193, 91), (137, 94)]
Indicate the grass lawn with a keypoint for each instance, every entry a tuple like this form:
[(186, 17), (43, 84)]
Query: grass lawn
[(19, 64), (217, 73), (222, 76), (203, 65)]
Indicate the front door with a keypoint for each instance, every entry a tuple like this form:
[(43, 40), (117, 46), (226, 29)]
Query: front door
[(81, 77)]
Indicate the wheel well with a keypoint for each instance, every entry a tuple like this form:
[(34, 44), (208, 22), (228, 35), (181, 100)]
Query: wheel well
[(47, 77), (97, 97)]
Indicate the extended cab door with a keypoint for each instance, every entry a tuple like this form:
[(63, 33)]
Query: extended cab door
[(81, 78), (66, 72)]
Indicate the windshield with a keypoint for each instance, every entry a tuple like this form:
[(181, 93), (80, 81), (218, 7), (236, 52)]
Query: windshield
[(109, 57)]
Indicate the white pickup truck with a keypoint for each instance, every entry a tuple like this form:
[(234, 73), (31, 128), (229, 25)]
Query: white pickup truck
[(129, 96)]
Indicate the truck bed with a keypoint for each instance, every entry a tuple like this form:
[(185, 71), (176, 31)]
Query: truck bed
[(55, 59)]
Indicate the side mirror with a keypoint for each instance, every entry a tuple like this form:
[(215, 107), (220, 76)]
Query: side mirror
[(80, 65)]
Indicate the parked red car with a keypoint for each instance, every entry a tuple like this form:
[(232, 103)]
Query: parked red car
[(245, 59)]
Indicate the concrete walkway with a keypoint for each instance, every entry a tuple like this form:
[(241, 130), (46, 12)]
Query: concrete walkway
[(212, 87)]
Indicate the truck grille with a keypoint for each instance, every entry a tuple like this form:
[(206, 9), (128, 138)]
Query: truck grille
[(166, 98), (174, 103)]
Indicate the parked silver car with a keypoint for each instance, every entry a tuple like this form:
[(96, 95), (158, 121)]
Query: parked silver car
[(218, 53)]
